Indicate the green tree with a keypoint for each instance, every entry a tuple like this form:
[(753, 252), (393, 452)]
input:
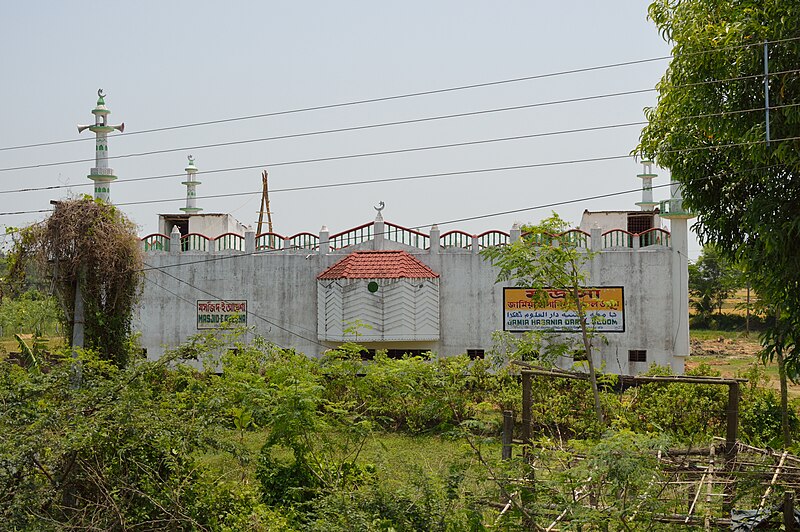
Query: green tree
[(712, 279), (533, 261), (709, 128)]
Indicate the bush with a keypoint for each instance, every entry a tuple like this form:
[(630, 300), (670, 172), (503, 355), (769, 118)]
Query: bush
[(687, 412)]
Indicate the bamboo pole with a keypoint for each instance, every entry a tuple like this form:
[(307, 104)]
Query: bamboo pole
[(774, 480), (709, 490)]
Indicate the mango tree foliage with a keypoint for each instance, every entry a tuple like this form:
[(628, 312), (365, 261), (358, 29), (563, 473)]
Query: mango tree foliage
[(709, 129)]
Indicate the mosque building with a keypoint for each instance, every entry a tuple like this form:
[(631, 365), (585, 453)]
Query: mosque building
[(397, 289)]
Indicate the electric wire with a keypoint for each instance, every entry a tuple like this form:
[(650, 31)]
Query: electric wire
[(355, 102), (394, 123), (330, 131), (256, 315), (332, 185), (161, 269), (417, 149), (412, 94), (215, 258)]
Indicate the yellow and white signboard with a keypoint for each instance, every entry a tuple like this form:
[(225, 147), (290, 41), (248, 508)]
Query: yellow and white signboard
[(553, 309), (213, 313)]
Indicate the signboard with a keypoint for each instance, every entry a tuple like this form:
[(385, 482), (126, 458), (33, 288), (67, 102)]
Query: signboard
[(552, 309), (212, 313)]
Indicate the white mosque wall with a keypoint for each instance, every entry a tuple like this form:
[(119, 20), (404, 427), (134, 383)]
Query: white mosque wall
[(214, 225), (280, 289)]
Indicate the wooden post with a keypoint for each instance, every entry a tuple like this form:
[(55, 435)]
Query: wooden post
[(789, 523), (508, 433), (731, 434), (732, 420), (527, 404)]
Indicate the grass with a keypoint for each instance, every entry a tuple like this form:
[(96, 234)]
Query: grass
[(711, 334), (735, 354), (9, 344), (398, 457)]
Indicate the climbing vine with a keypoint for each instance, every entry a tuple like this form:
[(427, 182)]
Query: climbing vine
[(94, 243)]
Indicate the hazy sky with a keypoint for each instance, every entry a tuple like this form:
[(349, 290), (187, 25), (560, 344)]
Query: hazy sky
[(172, 63)]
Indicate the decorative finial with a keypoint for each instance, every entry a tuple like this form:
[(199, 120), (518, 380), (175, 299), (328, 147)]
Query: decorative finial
[(380, 207), (191, 159), (100, 93)]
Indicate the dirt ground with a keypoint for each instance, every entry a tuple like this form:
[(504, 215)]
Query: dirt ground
[(735, 348), (733, 355)]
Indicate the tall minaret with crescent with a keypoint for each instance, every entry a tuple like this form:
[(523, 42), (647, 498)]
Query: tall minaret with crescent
[(191, 188), (101, 174)]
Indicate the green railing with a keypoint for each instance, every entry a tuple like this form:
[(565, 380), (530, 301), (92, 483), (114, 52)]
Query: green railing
[(156, 242), (575, 237), (352, 237), (269, 241), (404, 235), (654, 237), (303, 241), (456, 239), (539, 239), (493, 238), (617, 238), (229, 241), (194, 242)]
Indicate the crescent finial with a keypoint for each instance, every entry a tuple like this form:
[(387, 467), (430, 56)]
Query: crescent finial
[(191, 159), (380, 206), (100, 93)]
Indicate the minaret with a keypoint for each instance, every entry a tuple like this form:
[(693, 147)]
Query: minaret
[(678, 216), (647, 175), (101, 174), (191, 185)]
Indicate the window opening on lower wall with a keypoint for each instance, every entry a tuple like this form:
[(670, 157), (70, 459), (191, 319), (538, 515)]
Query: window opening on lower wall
[(369, 354), (475, 354), (637, 355)]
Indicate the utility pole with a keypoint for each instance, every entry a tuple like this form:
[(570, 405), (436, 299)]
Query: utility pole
[(78, 317), (78, 322)]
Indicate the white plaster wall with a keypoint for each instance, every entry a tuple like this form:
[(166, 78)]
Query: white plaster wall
[(281, 292), (604, 220), (213, 225)]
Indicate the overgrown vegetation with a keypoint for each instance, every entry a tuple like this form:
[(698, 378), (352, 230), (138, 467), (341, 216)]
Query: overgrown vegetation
[(131, 447), (738, 174), (91, 246), (532, 265)]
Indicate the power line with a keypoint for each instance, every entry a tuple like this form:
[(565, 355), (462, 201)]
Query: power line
[(303, 161), (407, 95), (337, 130), (262, 318), (356, 102), (333, 185), (215, 258), (393, 123), (388, 152)]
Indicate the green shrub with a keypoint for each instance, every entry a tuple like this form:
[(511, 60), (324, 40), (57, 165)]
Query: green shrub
[(687, 412)]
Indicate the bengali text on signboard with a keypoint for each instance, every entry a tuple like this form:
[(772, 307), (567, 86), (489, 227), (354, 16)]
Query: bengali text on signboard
[(552, 309), (213, 313)]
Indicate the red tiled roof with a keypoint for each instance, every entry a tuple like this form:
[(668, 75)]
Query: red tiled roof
[(378, 265)]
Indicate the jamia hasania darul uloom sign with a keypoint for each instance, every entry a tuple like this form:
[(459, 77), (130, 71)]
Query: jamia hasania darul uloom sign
[(552, 309), (212, 313)]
